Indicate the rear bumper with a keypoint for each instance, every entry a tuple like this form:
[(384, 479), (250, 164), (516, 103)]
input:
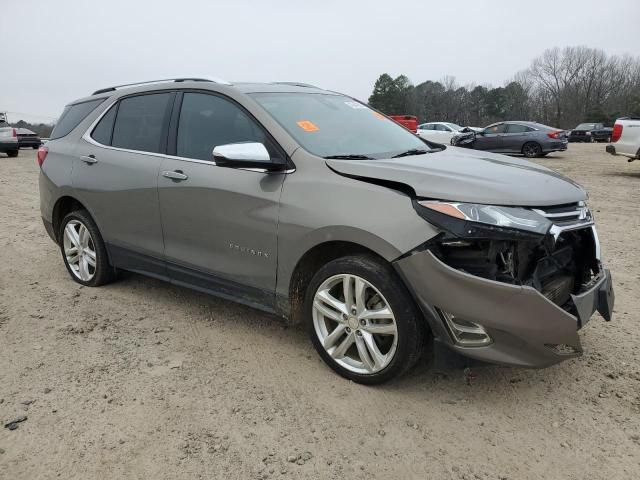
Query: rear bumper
[(30, 142), (8, 146), (554, 147), (526, 328), (631, 156), (579, 138)]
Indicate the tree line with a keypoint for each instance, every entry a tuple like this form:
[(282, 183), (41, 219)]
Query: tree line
[(561, 88)]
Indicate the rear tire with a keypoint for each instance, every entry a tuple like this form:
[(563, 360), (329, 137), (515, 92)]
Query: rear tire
[(83, 250), (13, 153), (531, 150), (331, 320)]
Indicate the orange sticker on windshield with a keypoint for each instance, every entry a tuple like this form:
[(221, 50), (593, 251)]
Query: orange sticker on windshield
[(379, 115), (308, 126)]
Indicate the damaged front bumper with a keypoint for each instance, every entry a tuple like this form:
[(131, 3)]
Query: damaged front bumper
[(525, 327)]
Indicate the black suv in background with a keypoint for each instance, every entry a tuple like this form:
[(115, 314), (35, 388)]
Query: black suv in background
[(591, 132), (27, 138)]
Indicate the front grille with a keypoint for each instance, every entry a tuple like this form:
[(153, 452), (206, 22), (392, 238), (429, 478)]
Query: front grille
[(566, 215)]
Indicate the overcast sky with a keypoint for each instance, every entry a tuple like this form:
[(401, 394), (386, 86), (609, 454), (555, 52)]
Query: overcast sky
[(57, 51)]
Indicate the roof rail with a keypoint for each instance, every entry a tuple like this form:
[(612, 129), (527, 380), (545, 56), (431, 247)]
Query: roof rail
[(114, 88), (295, 84)]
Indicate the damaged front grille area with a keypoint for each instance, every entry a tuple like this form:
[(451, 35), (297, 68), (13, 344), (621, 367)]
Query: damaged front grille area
[(563, 263)]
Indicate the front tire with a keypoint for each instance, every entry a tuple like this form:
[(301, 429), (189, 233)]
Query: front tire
[(13, 153), (531, 150), (83, 250), (362, 321)]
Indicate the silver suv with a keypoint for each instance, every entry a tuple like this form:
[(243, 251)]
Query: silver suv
[(309, 204)]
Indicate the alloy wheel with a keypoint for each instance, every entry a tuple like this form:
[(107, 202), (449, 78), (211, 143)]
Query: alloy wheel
[(355, 324), (79, 250), (531, 150)]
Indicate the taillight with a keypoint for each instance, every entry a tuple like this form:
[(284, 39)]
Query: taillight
[(15, 133), (42, 155), (617, 132), (555, 135)]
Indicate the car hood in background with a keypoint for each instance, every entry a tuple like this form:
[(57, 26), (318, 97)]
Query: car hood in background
[(458, 174)]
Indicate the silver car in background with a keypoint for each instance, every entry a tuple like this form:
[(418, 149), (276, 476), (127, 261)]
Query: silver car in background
[(530, 139), (309, 204), (9, 140)]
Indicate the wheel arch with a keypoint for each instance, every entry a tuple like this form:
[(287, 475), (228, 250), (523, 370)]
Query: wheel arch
[(313, 259), (63, 206)]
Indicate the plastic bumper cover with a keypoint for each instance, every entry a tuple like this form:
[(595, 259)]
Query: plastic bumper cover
[(527, 329)]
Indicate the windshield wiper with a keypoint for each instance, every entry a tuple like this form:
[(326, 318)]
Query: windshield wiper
[(349, 157), (413, 151)]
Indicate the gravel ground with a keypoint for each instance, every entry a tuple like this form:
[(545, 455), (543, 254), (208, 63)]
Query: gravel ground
[(141, 379)]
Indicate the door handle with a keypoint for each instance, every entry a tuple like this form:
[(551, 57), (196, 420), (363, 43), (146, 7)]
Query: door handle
[(89, 159), (175, 175)]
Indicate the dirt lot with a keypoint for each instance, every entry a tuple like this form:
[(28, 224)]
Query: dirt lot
[(141, 379)]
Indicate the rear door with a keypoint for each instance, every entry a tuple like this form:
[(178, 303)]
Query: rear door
[(444, 133), (220, 224), (426, 131), (116, 177), (515, 137)]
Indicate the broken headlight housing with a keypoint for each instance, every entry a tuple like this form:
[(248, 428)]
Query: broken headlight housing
[(471, 220)]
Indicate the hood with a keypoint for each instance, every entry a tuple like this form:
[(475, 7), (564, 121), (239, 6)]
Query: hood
[(458, 174)]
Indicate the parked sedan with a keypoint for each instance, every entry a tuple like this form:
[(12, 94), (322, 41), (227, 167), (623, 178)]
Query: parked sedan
[(439, 132), (591, 132), (530, 139), (27, 138)]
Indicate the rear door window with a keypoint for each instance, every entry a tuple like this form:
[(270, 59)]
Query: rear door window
[(512, 128), (207, 121), (140, 122), (72, 116)]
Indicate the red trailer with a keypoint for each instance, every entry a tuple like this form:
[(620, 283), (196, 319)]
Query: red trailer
[(409, 122)]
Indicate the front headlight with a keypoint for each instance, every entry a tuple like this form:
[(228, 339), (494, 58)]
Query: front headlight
[(476, 220)]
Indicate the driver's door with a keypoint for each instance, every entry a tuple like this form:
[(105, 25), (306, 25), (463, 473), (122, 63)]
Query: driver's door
[(491, 138), (219, 224)]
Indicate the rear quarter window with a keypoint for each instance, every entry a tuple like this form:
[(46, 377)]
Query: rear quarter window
[(104, 130), (72, 116)]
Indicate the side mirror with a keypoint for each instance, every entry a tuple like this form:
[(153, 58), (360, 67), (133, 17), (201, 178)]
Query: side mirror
[(245, 155)]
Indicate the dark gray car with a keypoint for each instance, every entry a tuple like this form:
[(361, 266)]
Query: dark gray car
[(310, 205), (530, 139)]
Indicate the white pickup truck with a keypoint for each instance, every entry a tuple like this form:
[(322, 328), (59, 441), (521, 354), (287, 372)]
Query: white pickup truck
[(625, 138)]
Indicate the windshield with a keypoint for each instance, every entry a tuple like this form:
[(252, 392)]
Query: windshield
[(329, 125), (454, 126), (586, 126)]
